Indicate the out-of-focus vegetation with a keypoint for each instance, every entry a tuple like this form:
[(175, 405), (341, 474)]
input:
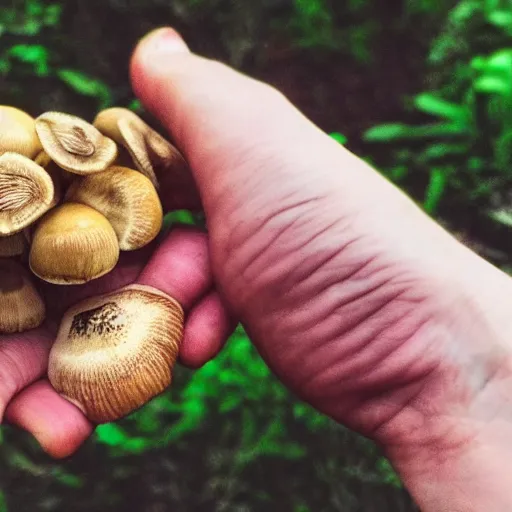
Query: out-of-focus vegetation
[(421, 89)]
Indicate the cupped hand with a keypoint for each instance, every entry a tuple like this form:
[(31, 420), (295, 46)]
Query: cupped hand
[(179, 266)]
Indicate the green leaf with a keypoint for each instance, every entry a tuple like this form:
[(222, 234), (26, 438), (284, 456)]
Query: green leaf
[(387, 473), (443, 150), (34, 54), (111, 434), (492, 85), (434, 190), (503, 153), (339, 137), (502, 216), (398, 131), (68, 479), (136, 106), (436, 106), (386, 132), (3, 502), (87, 86), (229, 403), (501, 19)]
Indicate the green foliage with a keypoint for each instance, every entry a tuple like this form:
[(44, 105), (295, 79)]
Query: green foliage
[(28, 18), (3, 502), (87, 86), (465, 143), (231, 431)]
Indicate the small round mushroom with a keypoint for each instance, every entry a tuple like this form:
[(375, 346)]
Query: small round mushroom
[(152, 154), (13, 245), (74, 144), (18, 133), (115, 352), (127, 199), (73, 244), (21, 306), (26, 193)]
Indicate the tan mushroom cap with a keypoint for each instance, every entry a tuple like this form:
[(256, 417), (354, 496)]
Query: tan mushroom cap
[(26, 193), (74, 144), (127, 199), (56, 174), (13, 245), (18, 133), (21, 305), (73, 244), (116, 352), (151, 152)]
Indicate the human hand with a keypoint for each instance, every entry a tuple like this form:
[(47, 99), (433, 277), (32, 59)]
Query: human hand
[(358, 301), (177, 265)]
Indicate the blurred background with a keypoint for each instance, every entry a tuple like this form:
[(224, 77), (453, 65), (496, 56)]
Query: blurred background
[(422, 89)]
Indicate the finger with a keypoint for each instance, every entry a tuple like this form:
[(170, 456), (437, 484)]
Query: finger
[(208, 327), (221, 119), (23, 360), (58, 426), (180, 267)]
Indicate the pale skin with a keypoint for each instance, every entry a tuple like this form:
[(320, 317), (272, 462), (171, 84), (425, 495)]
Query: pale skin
[(359, 302)]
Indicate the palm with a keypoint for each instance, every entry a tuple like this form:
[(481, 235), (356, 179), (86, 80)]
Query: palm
[(179, 266), (26, 396)]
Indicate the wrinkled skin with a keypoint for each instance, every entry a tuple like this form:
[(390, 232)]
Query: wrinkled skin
[(360, 304)]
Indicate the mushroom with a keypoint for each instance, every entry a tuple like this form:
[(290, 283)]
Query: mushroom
[(26, 193), (21, 305), (127, 199), (152, 154), (115, 352), (74, 144), (13, 245), (18, 133), (73, 244), (59, 176)]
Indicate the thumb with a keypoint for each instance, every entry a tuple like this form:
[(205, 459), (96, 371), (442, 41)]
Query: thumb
[(231, 128)]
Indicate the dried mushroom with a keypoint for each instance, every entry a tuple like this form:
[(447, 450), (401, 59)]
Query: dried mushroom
[(21, 305), (127, 199), (116, 352), (18, 133), (151, 153), (73, 195), (73, 244), (26, 193), (74, 144)]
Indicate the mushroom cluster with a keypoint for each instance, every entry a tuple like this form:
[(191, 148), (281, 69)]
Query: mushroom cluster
[(73, 195)]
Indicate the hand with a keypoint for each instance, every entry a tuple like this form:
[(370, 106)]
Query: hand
[(179, 266), (358, 301)]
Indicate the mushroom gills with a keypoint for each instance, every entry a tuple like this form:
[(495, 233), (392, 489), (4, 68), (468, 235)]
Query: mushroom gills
[(26, 193), (74, 144), (153, 156), (116, 352)]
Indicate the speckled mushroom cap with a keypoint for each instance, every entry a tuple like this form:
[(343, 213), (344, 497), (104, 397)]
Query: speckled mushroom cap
[(116, 352)]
